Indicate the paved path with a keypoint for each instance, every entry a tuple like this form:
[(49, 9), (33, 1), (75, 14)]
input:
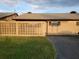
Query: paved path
[(67, 47)]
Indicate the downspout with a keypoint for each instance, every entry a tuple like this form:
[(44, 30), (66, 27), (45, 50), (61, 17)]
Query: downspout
[(46, 28)]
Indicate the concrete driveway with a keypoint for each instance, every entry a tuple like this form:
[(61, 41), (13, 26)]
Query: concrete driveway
[(67, 47)]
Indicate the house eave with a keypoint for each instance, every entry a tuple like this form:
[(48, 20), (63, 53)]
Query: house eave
[(46, 19)]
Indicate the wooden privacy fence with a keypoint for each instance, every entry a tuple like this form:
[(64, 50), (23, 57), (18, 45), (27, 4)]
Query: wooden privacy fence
[(22, 28)]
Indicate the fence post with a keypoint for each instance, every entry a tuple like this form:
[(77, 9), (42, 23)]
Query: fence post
[(17, 29)]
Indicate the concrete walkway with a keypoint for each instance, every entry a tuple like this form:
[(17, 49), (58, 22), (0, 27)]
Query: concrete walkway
[(67, 47)]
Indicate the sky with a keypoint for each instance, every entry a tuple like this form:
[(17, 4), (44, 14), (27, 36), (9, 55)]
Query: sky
[(39, 6)]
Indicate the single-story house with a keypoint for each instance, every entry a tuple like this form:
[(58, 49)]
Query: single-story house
[(42, 24), (49, 23)]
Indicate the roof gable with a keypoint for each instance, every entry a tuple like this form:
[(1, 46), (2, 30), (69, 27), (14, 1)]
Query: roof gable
[(2, 15)]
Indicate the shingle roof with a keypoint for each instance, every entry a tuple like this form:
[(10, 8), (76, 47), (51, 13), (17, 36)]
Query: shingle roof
[(47, 16), (2, 15)]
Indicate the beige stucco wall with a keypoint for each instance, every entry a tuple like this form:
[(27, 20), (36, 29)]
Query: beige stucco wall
[(65, 27), (22, 28), (77, 27)]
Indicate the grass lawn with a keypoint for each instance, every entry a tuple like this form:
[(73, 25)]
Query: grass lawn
[(26, 48)]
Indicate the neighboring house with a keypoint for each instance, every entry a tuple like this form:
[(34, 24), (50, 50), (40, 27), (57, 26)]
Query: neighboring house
[(7, 16), (42, 24)]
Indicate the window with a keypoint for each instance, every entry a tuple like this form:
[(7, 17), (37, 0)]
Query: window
[(54, 23), (77, 23)]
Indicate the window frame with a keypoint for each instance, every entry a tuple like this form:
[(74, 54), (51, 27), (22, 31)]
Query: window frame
[(54, 23), (77, 23)]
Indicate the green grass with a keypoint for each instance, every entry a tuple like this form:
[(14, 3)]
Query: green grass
[(26, 48)]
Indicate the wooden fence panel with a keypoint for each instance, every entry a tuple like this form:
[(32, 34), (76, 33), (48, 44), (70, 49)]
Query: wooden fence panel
[(17, 28), (7, 28)]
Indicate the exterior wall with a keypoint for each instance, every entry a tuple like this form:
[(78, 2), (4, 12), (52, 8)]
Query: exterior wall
[(65, 27), (22, 28), (77, 28)]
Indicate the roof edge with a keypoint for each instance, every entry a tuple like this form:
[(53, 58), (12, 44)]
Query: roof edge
[(46, 19), (9, 15)]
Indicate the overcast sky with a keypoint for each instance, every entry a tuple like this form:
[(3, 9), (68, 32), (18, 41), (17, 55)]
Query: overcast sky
[(39, 6)]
